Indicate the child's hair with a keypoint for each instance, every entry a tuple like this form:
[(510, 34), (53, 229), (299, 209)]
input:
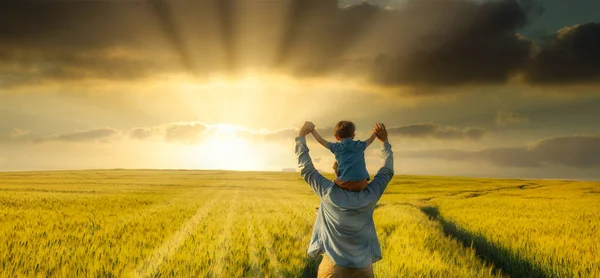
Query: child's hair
[(344, 129)]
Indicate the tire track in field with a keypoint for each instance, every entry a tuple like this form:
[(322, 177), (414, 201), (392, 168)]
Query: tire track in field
[(150, 210), (286, 209), (267, 241), (171, 246), (482, 192), (252, 249), (295, 212), (224, 241), (300, 210)]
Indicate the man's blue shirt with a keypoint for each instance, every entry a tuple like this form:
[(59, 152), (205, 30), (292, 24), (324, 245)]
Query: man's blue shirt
[(344, 228), (350, 156)]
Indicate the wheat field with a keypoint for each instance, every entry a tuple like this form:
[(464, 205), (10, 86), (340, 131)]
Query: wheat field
[(143, 223)]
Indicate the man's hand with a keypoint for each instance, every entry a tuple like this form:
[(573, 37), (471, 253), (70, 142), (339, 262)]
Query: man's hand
[(381, 132), (307, 128)]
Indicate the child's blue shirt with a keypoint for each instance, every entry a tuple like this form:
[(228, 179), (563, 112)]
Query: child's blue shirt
[(350, 156)]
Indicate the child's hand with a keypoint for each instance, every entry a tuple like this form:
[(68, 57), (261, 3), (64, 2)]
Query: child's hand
[(307, 128), (371, 138)]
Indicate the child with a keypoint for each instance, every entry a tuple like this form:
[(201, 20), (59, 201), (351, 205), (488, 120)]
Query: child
[(349, 155)]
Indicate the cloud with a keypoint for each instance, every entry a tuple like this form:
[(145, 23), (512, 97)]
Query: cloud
[(454, 42), (506, 118), (194, 132), (179, 132), (436, 131), (24, 66), (106, 40), (474, 35), (17, 133), (283, 134), (506, 157), (575, 151), (186, 133), (80, 136), (142, 132), (571, 151), (572, 55)]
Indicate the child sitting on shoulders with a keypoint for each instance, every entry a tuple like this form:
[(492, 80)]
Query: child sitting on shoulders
[(349, 156)]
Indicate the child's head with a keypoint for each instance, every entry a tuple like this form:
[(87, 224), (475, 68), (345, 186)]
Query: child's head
[(344, 129)]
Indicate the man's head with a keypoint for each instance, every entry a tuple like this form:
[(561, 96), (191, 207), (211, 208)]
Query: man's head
[(344, 129)]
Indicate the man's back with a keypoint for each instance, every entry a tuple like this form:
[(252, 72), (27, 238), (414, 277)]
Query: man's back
[(344, 228)]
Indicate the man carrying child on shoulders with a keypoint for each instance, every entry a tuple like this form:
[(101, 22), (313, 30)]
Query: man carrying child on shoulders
[(344, 232)]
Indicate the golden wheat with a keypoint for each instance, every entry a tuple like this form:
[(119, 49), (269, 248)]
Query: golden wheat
[(126, 223)]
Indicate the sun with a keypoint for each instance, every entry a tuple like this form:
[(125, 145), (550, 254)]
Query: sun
[(225, 150)]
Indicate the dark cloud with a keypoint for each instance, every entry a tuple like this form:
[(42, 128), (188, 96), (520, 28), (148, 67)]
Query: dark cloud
[(318, 33), (506, 157), (473, 43), (109, 64), (80, 136), (424, 43), (572, 151), (510, 157), (506, 118), (74, 40), (572, 55), (575, 151), (436, 131)]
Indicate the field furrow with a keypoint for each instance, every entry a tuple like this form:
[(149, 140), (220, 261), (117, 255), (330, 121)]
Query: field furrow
[(126, 223), (172, 245)]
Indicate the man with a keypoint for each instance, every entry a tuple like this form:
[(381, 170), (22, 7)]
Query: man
[(344, 232)]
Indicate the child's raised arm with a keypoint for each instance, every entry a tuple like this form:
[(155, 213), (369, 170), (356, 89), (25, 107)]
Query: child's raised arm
[(320, 139), (371, 139)]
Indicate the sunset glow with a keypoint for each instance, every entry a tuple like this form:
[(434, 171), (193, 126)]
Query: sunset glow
[(221, 84)]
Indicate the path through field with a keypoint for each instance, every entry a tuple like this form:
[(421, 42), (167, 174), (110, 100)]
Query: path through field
[(240, 224)]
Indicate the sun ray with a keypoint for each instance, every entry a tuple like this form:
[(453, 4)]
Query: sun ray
[(162, 11)]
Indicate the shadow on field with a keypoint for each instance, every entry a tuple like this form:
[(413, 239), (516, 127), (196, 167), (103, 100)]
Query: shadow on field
[(310, 268), (502, 259)]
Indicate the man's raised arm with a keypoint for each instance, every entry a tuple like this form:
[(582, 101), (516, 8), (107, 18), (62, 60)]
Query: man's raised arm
[(385, 174), (317, 182)]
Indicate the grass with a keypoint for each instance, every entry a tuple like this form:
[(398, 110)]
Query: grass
[(138, 223)]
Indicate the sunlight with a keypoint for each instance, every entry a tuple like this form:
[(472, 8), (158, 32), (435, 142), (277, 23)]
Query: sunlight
[(227, 151), (251, 99)]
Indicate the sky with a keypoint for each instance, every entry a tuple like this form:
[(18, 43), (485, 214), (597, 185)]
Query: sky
[(481, 88)]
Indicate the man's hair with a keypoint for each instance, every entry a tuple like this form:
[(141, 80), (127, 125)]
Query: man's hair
[(344, 129)]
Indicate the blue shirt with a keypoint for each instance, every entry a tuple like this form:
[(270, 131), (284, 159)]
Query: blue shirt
[(350, 156), (344, 228)]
